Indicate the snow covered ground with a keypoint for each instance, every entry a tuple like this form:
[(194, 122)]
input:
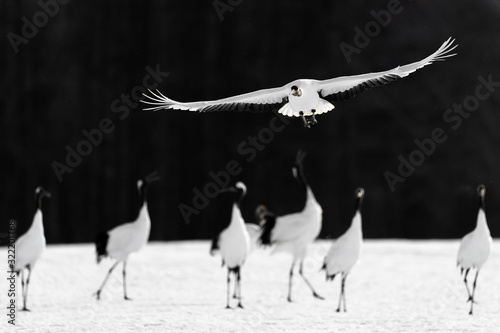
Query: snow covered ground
[(398, 286)]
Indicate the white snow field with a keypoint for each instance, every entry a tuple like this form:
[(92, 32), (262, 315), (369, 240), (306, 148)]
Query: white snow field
[(398, 286)]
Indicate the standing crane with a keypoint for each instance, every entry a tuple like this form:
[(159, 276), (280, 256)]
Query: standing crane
[(293, 233), (234, 243), (30, 246), (119, 242), (345, 251), (475, 247)]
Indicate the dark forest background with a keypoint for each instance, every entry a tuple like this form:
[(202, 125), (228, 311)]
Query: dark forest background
[(67, 77)]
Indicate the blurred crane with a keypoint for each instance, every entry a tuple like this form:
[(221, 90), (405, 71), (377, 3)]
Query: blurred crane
[(345, 251), (293, 233), (234, 243), (30, 246), (119, 242), (475, 247)]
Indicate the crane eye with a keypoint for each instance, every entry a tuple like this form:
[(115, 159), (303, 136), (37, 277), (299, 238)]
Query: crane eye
[(295, 88)]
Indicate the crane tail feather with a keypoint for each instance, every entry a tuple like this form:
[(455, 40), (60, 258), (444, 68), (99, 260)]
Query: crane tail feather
[(267, 228), (214, 248), (101, 244)]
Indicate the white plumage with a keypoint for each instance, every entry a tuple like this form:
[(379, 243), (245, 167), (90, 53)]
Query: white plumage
[(293, 233), (345, 251), (475, 247), (121, 241), (234, 243), (129, 237), (30, 246), (254, 234), (303, 97)]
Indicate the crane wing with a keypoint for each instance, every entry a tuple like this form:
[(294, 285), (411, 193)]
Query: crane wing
[(254, 233), (288, 228), (345, 87), (257, 101)]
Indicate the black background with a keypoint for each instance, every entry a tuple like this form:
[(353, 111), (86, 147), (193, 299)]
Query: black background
[(66, 78)]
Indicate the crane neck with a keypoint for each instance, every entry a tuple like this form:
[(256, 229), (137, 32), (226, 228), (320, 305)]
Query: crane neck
[(482, 224), (37, 221), (481, 202), (359, 203), (356, 220), (143, 194), (38, 201), (143, 209), (310, 198), (143, 215), (236, 218), (301, 177), (38, 216), (239, 199)]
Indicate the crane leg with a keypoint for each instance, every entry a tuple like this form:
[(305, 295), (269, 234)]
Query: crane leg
[(313, 117), (27, 287), (125, 281), (235, 294), (228, 287), (472, 301), (344, 277), (98, 292), (306, 123), (315, 294), (467, 285), (238, 281), (290, 278), (24, 289), (340, 297), (22, 285)]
